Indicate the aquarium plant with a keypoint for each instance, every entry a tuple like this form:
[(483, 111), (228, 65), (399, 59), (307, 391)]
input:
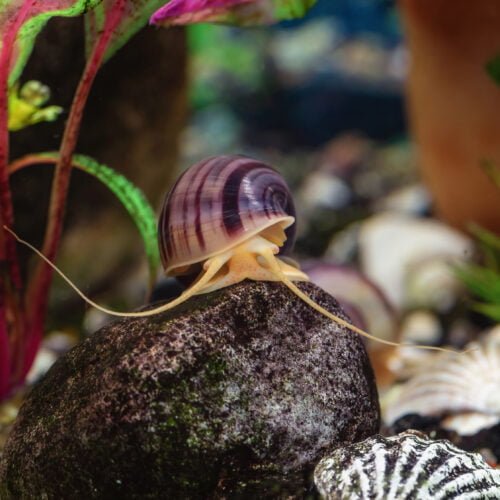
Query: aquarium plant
[(109, 24), (483, 280)]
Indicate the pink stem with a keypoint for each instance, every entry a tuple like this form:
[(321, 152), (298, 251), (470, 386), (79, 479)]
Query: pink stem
[(32, 159), (37, 295), (11, 321), (4, 348)]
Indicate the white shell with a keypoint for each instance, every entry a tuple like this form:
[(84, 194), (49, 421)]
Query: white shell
[(392, 245), (405, 467), (468, 424), (412, 200), (451, 384)]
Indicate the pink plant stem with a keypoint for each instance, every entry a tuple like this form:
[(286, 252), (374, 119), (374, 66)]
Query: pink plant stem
[(4, 348), (11, 321), (30, 159), (37, 295)]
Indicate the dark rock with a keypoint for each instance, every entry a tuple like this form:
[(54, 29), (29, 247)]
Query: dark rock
[(236, 394)]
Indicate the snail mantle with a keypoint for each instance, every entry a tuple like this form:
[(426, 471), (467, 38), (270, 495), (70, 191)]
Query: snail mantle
[(236, 393)]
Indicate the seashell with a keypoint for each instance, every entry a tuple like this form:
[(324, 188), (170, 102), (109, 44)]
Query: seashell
[(432, 284), (343, 246), (322, 190), (468, 424), (408, 466), (451, 385), (421, 327), (328, 186), (392, 245), (44, 359)]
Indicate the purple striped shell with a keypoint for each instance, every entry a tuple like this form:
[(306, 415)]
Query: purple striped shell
[(219, 203)]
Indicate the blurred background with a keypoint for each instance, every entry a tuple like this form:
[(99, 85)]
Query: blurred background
[(321, 99), (378, 114), (382, 116)]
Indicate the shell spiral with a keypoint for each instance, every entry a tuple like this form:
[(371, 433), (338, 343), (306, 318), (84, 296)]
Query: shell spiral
[(217, 204)]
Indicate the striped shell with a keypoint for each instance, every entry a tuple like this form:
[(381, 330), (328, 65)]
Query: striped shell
[(218, 204), (451, 384), (405, 467)]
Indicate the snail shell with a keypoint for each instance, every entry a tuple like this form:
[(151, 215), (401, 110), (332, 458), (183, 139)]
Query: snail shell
[(217, 204)]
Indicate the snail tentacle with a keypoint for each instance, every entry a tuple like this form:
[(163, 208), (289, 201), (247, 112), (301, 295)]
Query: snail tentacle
[(210, 269), (212, 266), (274, 265)]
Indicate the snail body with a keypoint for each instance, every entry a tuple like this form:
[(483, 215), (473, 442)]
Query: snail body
[(226, 219)]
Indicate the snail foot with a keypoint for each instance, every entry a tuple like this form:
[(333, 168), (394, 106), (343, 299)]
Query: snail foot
[(247, 261)]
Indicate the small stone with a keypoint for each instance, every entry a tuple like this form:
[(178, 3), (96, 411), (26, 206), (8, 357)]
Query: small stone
[(234, 394)]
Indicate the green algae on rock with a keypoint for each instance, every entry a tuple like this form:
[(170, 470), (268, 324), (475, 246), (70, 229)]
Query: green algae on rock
[(234, 394)]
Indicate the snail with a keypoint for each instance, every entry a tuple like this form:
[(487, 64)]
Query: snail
[(226, 219)]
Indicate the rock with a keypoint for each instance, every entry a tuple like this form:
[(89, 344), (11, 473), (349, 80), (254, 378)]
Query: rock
[(234, 394), (405, 467)]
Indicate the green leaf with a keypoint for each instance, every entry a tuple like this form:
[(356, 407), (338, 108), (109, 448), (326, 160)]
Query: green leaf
[(484, 281), (490, 310), (493, 68), (22, 20), (481, 281), (132, 199), (234, 12), (490, 245), (484, 236), (135, 15), (492, 171)]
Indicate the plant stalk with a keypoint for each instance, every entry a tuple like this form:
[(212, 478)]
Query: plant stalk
[(4, 347), (11, 319), (38, 290)]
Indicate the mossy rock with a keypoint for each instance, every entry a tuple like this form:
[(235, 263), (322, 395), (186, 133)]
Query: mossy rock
[(236, 394)]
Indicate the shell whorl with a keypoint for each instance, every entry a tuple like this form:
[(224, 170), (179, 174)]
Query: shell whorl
[(217, 204)]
